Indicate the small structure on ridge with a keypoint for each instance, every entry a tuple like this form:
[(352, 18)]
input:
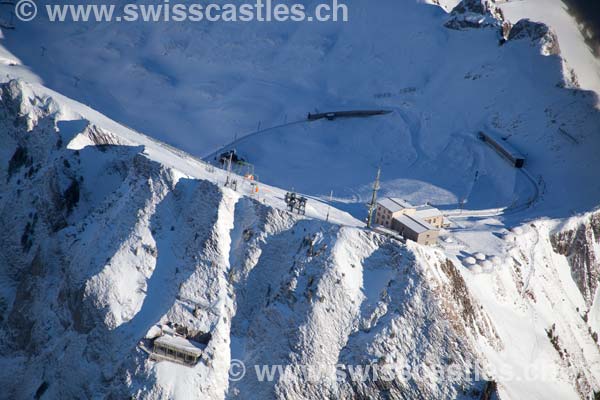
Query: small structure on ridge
[(296, 203), (177, 349)]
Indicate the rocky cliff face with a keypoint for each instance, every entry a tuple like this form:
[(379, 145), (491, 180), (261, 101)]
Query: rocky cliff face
[(543, 274), (581, 246)]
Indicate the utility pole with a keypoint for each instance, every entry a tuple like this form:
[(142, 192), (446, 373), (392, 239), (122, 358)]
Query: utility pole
[(373, 202)]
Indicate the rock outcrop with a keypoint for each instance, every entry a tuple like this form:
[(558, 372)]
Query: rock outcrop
[(470, 14), (538, 34), (581, 245)]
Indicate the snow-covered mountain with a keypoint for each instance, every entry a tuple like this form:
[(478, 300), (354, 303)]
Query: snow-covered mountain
[(108, 232), (560, 16), (200, 86)]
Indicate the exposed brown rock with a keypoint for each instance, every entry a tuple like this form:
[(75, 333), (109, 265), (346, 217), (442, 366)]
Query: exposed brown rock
[(578, 246)]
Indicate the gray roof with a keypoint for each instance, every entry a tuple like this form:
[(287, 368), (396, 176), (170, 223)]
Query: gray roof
[(502, 141), (427, 212), (414, 225), (394, 204), (180, 343)]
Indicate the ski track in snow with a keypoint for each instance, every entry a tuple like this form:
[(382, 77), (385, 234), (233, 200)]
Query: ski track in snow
[(532, 253)]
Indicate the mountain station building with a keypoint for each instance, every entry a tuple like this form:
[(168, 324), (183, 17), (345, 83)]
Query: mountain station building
[(420, 224)]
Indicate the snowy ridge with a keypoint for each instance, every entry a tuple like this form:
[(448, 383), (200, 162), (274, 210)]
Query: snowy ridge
[(579, 59), (537, 283), (91, 268), (108, 232)]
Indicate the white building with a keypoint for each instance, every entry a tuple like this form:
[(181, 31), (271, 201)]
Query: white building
[(420, 224)]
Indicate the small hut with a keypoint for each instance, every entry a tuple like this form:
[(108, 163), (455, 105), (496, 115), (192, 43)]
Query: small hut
[(177, 349)]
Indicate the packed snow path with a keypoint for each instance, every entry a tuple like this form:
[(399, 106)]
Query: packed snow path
[(413, 122), (509, 210), (210, 157)]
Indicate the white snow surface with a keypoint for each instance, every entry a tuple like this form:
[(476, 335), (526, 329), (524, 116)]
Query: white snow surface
[(200, 86), (154, 233), (554, 13), (151, 242)]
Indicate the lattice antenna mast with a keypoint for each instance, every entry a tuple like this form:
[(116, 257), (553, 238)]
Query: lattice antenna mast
[(229, 160), (329, 206), (373, 202)]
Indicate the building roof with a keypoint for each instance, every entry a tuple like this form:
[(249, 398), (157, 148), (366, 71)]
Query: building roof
[(180, 343), (427, 211), (414, 225), (394, 204), (502, 141)]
